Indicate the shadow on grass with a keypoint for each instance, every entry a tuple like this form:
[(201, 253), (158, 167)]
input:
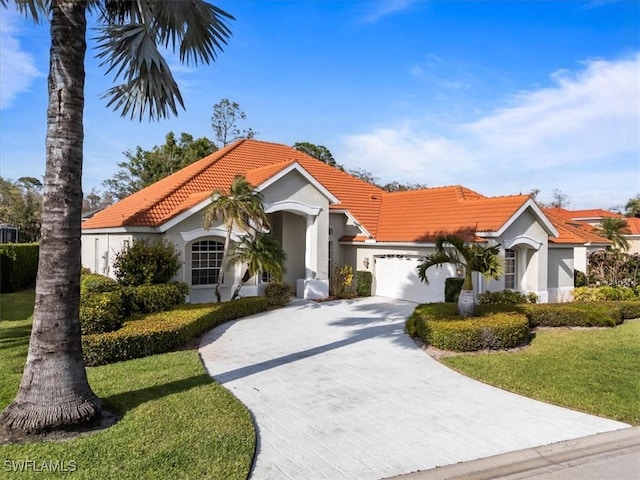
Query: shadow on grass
[(126, 401), (15, 336)]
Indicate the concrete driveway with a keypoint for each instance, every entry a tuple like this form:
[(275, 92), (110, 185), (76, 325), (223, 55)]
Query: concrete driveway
[(338, 391)]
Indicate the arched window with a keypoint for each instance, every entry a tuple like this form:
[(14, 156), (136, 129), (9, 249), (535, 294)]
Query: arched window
[(206, 259)]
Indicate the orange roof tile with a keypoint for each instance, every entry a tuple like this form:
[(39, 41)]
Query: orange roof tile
[(420, 215), (634, 225), (570, 231), (162, 201)]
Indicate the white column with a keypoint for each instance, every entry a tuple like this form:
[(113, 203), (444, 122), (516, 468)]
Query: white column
[(521, 270), (310, 248)]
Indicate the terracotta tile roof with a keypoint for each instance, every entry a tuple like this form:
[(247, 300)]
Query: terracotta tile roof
[(634, 225), (420, 215), (162, 201), (572, 232)]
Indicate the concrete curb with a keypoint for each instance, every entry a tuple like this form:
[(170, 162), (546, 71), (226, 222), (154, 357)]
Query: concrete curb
[(532, 459)]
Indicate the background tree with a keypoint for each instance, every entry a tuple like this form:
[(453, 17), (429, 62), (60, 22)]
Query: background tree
[(560, 199), (319, 152), (94, 201), (242, 208), (145, 167), (402, 187), (468, 255), (615, 230), (54, 391), (364, 175), (259, 252), (632, 208), (226, 115), (21, 205)]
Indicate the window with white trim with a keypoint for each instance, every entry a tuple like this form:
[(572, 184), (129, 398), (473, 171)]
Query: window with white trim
[(510, 269), (206, 259)]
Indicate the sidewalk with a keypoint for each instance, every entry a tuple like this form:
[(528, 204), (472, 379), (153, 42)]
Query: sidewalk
[(604, 456)]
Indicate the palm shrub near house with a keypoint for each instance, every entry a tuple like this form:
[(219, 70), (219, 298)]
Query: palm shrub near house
[(468, 255)]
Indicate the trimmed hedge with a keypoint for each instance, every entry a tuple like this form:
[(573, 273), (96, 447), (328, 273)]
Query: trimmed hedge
[(494, 331), (18, 266), (628, 310), (510, 297), (164, 331), (102, 312), (597, 294), (363, 280)]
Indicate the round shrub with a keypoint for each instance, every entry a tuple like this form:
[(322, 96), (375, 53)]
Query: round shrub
[(145, 263), (277, 293), (154, 298), (101, 312), (494, 331), (95, 283)]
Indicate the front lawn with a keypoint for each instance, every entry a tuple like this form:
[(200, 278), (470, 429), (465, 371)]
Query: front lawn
[(592, 370), (176, 422)]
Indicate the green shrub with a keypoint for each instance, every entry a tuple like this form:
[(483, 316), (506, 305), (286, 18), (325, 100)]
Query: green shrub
[(145, 263), (277, 293), (510, 297), (452, 288), (341, 282), (18, 266), (101, 312), (154, 298), (363, 280), (164, 331), (628, 309), (572, 315), (466, 334), (95, 283), (597, 294)]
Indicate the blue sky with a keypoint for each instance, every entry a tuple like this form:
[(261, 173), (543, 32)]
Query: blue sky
[(501, 97)]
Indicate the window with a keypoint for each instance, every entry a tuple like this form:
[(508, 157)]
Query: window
[(206, 258), (510, 269)]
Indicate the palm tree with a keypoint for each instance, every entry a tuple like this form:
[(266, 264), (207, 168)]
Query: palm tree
[(470, 256), (241, 208), (614, 229), (632, 208), (260, 252), (54, 391)]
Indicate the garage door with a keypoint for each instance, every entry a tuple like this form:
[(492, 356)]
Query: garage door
[(396, 276)]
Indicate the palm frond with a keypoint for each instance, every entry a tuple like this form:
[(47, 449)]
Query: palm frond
[(437, 259), (130, 40), (34, 9)]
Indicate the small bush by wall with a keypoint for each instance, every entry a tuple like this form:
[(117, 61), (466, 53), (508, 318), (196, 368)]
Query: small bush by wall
[(95, 283), (510, 297), (18, 266), (164, 331), (493, 331), (147, 263), (363, 280), (153, 298), (277, 293)]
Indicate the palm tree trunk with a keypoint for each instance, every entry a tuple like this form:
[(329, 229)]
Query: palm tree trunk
[(223, 262), (467, 299), (245, 278), (54, 391)]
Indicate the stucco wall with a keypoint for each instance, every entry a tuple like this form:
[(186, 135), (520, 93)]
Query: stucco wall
[(98, 250)]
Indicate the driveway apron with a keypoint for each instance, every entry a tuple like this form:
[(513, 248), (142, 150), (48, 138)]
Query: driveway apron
[(339, 391)]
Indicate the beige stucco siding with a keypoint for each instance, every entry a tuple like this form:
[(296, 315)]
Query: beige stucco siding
[(99, 250)]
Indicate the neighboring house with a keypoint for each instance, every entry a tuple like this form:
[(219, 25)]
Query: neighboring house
[(325, 218)]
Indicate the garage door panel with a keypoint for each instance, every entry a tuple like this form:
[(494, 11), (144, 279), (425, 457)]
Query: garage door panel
[(397, 277)]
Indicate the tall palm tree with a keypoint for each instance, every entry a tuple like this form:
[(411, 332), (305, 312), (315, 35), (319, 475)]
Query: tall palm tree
[(241, 208), (471, 257), (260, 252), (614, 229), (54, 391)]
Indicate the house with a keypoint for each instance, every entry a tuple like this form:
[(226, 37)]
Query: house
[(324, 218), (589, 219)]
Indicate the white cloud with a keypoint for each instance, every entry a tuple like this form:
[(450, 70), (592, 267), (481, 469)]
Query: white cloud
[(385, 8), (17, 67), (573, 135)]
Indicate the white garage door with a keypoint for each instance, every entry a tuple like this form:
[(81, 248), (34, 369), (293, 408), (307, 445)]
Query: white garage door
[(396, 276)]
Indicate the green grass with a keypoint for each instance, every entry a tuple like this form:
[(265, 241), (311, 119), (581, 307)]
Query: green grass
[(595, 371), (176, 422)]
